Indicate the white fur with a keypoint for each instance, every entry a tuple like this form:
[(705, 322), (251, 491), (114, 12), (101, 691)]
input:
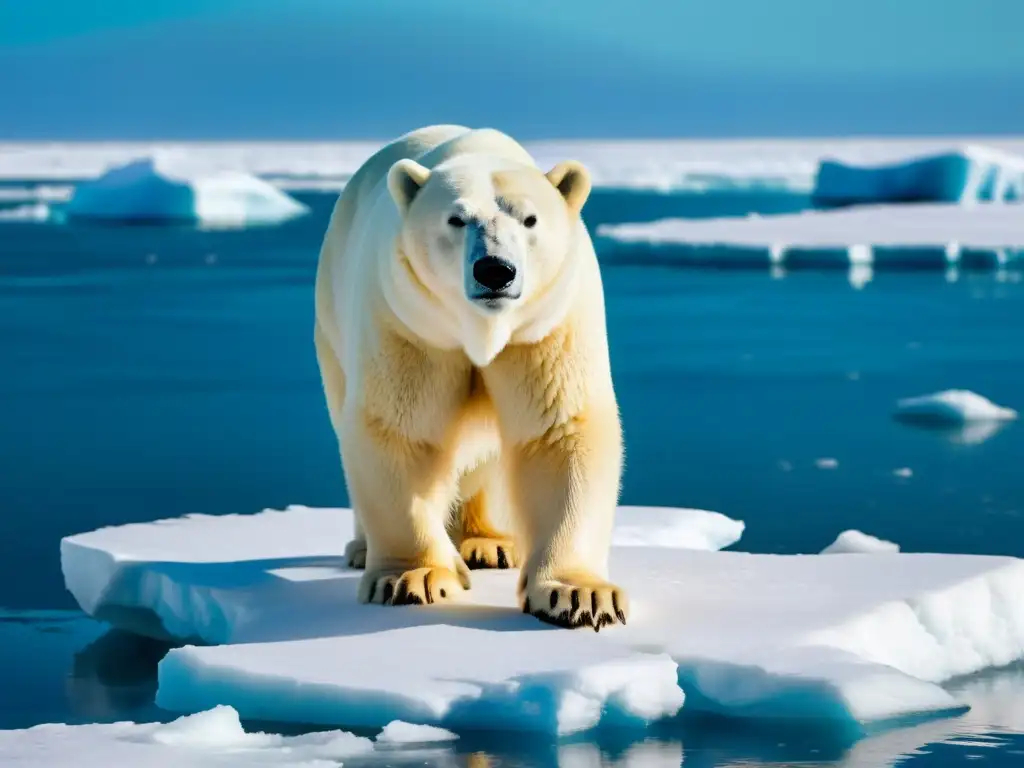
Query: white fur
[(429, 384)]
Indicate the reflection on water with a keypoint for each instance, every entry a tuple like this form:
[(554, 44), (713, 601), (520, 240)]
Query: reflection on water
[(114, 675), (860, 275)]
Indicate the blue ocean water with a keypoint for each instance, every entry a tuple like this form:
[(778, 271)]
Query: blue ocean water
[(153, 372)]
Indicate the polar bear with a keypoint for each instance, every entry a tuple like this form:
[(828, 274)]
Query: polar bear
[(461, 338)]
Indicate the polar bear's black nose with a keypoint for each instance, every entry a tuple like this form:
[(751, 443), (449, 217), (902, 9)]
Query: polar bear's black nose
[(494, 273)]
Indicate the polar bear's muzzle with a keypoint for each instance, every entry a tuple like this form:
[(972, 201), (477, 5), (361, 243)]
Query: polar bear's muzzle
[(492, 277)]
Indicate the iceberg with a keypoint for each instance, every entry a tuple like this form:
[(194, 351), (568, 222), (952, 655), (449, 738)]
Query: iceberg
[(155, 189), (968, 175), (211, 739), (856, 640), (926, 236)]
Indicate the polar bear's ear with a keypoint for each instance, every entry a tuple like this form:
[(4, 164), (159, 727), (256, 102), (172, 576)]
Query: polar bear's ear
[(572, 180), (405, 179)]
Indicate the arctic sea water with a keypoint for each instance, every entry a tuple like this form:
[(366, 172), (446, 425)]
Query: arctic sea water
[(152, 372)]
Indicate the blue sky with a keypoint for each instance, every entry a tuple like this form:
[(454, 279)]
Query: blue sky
[(372, 68)]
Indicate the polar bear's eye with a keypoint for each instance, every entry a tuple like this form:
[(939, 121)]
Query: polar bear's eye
[(530, 221), (455, 221)]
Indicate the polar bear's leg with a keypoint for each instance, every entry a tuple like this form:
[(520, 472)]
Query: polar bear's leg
[(562, 440), (404, 493), (482, 544), (402, 473), (355, 550), (333, 380)]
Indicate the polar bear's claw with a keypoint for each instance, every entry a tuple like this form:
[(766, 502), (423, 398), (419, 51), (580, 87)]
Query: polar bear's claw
[(480, 552), (420, 586), (575, 602), (355, 554)]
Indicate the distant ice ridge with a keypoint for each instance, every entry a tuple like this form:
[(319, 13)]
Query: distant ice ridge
[(155, 189), (969, 175), (644, 165), (857, 542), (909, 236), (210, 739), (852, 639), (38, 193)]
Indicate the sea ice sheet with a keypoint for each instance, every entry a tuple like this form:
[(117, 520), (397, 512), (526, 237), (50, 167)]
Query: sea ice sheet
[(470, 668), (662, 165), (153, 189), (860, 638), (922, 236), (205, 577)]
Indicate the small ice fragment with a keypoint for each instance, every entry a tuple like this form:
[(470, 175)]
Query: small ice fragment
[(903, 472), (851, 541), (399, 732), (951, 407), (826, 463)]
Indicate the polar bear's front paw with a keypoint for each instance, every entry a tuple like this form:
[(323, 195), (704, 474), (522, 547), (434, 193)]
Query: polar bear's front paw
[(355, 554), (420, 586), (480, 552), (575, 600)]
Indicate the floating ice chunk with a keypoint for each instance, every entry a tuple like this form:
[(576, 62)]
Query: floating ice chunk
[(153, 189), (826, 463), (165, 579), (487, 668), (848, 638), (952, 407), (211, 739), (971, 174), (27, 212), (858, 639), (397, 732), (676, 528), (849, 542), (904, 472), (884, 237)]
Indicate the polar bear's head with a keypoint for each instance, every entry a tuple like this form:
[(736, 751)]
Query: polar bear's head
[(490, 245)]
